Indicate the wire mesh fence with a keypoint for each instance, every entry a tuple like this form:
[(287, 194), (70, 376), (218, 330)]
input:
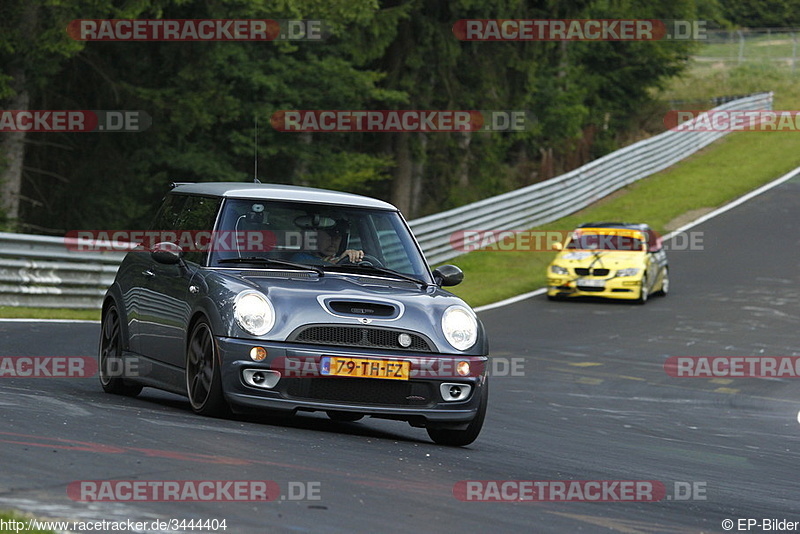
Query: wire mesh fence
[(777, 46)]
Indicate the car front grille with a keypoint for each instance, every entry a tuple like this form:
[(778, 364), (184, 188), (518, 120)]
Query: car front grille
[(591, 288), (583, 271), (359, 336), (370, 391)]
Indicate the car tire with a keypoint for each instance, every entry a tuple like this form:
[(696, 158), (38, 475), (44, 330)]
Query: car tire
[(644, 293), (664, 290), (344, 417), (110, 349), (203, 377), (460, 438)]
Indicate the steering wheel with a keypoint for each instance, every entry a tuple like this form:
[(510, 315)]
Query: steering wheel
[(367, 259)]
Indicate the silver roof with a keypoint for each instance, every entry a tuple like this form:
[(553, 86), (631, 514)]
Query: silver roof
[(281, 192)]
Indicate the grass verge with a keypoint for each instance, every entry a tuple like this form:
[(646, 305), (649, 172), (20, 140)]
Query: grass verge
[(13, 312)]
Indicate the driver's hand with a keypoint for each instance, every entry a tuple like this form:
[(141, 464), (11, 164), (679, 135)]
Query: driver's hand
[(354, 256)]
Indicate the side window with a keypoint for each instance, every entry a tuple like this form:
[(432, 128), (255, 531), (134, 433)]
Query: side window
[(187, 221), (393, 250), (653, 241), (167, 215), (194, 225)]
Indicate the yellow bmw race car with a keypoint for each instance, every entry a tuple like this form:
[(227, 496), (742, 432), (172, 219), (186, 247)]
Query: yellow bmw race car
[(612, 260)]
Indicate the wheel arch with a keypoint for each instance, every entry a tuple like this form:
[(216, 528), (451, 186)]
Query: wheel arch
[(208, 311), (112, 298)]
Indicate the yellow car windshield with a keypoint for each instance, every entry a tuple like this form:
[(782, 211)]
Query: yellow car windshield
[(604, 240)]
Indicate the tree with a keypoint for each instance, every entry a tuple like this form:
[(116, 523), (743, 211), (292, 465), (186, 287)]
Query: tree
[(34, 44)]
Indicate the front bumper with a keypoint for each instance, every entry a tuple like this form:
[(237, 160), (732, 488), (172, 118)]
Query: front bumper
[(626, 287), (301, 387)]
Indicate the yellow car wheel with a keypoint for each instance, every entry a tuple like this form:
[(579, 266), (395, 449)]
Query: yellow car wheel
[(664, 283), (644, 292)]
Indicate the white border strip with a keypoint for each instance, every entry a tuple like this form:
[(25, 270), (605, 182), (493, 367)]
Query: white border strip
[(719, 211)]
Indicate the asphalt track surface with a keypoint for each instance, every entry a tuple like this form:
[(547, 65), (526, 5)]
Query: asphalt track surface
[(593, 403)]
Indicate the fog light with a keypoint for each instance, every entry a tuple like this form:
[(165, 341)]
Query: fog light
[(404, 340), (257, 354), (463, 368), (452, 392), (261, 378)]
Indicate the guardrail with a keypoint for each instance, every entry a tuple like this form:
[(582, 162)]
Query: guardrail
[(42, 271), (565, 194)]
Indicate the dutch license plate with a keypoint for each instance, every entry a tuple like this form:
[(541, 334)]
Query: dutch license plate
[(364, 368), (591, 283)]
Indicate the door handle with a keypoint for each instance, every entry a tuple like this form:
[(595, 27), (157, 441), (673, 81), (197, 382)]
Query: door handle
[(149, 273)]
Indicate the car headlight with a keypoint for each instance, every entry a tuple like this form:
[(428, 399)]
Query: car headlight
[(460, 327), (254, 313), (631, 271), (557, 269)]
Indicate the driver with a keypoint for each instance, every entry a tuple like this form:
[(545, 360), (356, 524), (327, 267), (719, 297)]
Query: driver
[(328, 242)]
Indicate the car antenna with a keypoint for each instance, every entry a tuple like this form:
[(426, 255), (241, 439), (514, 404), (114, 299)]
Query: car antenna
[(255, 153)]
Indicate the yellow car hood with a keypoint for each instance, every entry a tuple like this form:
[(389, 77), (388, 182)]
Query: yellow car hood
[(609, 259)]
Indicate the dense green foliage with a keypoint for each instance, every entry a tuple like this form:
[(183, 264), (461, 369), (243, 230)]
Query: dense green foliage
[(762, 13), (205, 97)]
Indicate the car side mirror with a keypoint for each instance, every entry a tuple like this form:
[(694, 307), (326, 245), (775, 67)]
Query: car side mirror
[(166, 253), (448, 275), (557, 246)]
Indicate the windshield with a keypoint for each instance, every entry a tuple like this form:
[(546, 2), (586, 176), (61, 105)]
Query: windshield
[(325, 236), (605, 241)]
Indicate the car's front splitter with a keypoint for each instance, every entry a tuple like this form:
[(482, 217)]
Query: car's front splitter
[(614, 288), (295, 383)]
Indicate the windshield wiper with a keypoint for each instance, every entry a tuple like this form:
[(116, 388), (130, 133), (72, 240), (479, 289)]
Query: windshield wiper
[(383, 270), (272, 261)]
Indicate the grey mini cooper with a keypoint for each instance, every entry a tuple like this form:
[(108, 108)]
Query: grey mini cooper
[(280, 299)]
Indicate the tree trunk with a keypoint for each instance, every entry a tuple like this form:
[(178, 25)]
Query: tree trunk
[(12, 144), (403, 173), (418, 173), (301, 170), (464, 140), (12, 155)]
